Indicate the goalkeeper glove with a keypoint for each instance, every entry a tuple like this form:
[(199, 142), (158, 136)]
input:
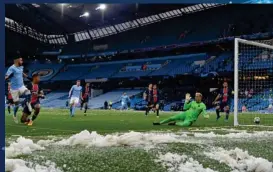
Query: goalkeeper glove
[(188, 97)]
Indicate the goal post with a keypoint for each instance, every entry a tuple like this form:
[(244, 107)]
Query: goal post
[(253, 82)]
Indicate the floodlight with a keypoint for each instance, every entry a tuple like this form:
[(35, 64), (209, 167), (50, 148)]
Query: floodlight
[(86, 14), (101, 7)]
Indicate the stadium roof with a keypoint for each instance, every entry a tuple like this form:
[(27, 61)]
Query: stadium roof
[(65, 18), (52, 23)]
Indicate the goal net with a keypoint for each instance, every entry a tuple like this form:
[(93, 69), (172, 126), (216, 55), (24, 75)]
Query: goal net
[(253, 82)]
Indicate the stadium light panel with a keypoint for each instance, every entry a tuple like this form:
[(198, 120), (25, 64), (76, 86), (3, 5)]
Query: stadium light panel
[(35, 5), (86, 14), (83, 36), (101, 7), (63, 4), (104, 31)]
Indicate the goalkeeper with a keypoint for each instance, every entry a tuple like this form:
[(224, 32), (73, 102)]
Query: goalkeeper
[(193, 110)]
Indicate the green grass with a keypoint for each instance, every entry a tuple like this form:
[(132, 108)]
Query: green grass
[(58, 123), (116, 159)]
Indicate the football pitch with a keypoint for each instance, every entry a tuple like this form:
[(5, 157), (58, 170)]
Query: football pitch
[(127, 141)]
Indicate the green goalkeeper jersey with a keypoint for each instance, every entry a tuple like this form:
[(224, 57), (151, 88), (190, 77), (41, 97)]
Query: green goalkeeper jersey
[(194, 109)]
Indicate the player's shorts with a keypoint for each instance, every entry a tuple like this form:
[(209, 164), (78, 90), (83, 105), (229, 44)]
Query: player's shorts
[(124, 105), (33, 104), (223, 105), (152, 104), (155, 104), (270, 108), (10, 101), (17, 93), (74, 100), (85, 100)]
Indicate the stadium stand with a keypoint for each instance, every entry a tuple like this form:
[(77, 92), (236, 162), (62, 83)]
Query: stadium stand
[(72, 72), (58, 99), (55, 99), (135, 100), (113, 96), (218, 63), (46, 71), (133, 68), (102, 71)]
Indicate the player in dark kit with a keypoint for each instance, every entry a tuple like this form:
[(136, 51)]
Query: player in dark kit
[(151, 95), (9, 98), (222, 101), (148, 97), (86, 95), (156, 100), (36, 94)]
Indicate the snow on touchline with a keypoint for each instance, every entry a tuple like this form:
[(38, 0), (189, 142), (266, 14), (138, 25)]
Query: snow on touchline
[(18, 165), (240, 161), (21, 146), (45, 142), (181, 163), (86, 138), (132, 138), (148, 139)]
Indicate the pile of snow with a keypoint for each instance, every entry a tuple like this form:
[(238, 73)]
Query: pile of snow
[(244, 134), (21, 146), (179, 163), (85, 138), (24, 146), (240, 161), (205, 135), (45, 142), (89, 139), (18, 165)]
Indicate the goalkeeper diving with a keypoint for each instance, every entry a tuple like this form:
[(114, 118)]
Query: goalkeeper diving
[(192, 111)]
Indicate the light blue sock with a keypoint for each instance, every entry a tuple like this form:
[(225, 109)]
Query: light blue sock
[(70, 110), (15, 109), (73, 110)]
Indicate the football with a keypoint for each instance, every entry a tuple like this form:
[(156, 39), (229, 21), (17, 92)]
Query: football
[(257, 120)]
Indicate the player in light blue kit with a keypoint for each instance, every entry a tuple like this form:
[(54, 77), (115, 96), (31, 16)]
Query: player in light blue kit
[(75, 94), (17, 88), (124, 100)]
